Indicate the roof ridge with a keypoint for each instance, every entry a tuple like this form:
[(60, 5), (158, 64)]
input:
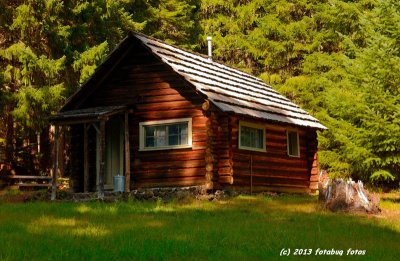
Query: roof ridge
[(219, 70), (173, 46), (205, 57)]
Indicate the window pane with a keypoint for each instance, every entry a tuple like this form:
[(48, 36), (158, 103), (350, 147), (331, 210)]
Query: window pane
[(252, 137), (160, 136), (293, 145), (173, 140), (259, 139), (166, 135), (173, 129), (177, 134), (173, 134), (149, 130), (183, 129), (149, 136), (245, 136), (183, 140), (149, 142)]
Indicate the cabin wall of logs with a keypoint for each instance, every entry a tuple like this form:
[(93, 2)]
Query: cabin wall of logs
[(275, 169), (158, 94), (214, 160)]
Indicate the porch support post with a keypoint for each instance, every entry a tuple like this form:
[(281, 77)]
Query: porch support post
[(55, 164), (127, 154), (102, 158), (85, 159)]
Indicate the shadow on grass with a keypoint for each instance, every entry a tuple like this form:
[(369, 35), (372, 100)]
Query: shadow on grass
[(243, 228)]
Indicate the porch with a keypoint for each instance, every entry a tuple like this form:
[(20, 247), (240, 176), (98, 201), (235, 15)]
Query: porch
[(110, 144)]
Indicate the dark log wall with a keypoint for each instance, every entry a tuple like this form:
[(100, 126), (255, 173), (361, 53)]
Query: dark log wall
[(312, 158), (92, 144), (75, 166), (155, 92), (274, 169)]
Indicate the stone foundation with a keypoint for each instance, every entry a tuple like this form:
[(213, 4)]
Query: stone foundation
[(150, 194)]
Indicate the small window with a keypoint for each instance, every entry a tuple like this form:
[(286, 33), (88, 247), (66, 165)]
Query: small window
[(293, 147), (166, 134), (251, 137)]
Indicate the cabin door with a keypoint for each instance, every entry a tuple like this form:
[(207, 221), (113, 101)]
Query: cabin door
[(114, 152)]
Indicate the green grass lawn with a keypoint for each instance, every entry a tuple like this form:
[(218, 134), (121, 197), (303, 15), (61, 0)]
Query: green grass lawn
[(242, 228)]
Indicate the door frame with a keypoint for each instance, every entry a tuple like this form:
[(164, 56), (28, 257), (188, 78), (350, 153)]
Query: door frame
[(109, 173)]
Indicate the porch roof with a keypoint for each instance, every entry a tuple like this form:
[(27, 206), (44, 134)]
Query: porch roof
[(86, 115)]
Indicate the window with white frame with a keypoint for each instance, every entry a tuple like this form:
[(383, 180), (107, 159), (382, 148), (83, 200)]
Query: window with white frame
[(165, 134), (293, 147), (251, 136)]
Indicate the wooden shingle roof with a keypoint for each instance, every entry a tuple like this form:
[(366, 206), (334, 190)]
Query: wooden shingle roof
[(229, 89)]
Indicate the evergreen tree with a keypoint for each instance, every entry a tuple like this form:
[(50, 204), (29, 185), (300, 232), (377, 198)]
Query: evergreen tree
[(173, 21), (354, 91), (378, 77), (47, 48), (338, 59)]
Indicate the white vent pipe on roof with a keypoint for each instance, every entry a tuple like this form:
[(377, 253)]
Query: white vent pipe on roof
[(209, 40)]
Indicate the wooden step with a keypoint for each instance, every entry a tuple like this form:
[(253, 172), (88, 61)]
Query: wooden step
[(32, 185), (30, 177)]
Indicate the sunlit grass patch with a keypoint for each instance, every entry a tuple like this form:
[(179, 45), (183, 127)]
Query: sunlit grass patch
[(66, 226), (391, 200), (390, 204), (83, 209), (240, 228), (91, 231), (49, 221)]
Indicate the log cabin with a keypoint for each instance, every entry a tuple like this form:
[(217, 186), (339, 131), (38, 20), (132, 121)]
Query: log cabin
[(162, 116)]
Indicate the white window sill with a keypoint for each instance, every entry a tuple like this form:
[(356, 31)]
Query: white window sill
[(252, 149), (166, 148)]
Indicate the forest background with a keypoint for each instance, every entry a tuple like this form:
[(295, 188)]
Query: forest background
[(337, 59)]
